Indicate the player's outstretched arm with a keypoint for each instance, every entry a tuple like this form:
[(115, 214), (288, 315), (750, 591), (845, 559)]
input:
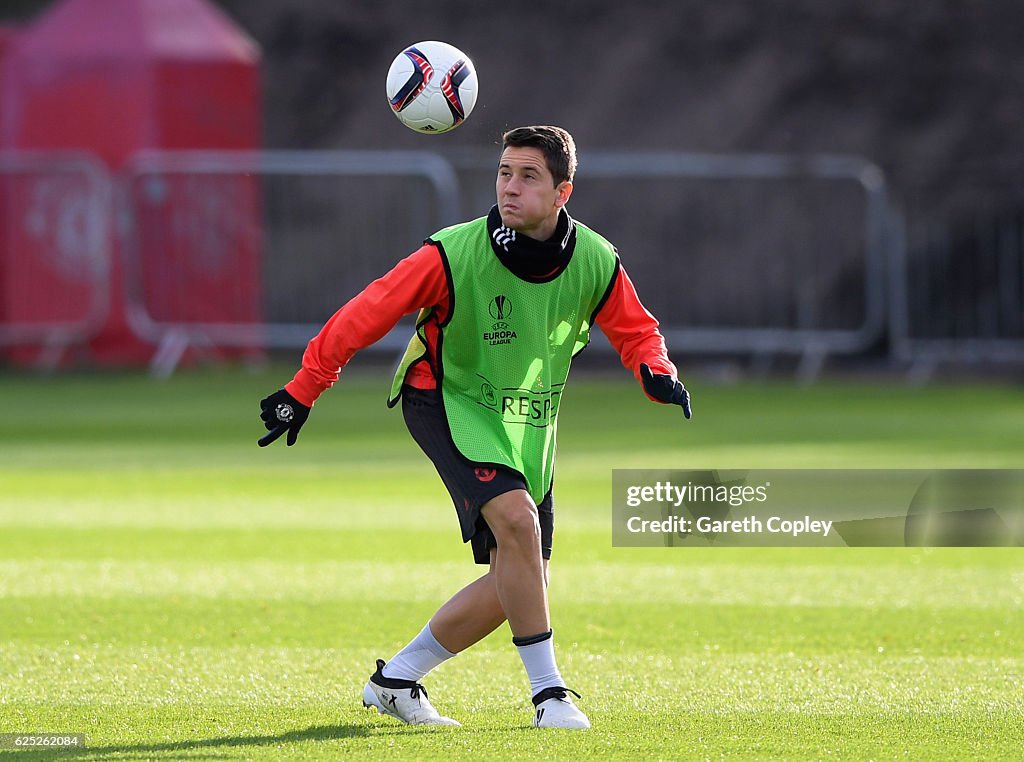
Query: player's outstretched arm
[(417, 281), (281, 412), (633, 332), (666, 388)]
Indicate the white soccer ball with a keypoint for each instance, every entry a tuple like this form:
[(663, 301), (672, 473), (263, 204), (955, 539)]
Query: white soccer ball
[(432, 87)]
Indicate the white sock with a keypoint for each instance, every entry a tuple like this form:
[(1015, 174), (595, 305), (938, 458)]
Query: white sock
[(538, 655), (419, 657)]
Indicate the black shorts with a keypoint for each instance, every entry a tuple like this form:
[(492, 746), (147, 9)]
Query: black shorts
[(470, 484)]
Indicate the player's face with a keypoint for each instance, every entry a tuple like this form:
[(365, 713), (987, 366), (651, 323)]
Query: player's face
[(528, 198)]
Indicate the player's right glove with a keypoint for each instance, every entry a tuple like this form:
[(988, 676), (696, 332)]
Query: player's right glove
[(281, 412), (666, 388)]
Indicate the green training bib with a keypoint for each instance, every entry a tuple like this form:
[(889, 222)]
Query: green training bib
[(505, 350)]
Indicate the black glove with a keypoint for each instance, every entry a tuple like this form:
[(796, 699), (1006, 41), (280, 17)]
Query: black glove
[(665, 388), (281, 412)]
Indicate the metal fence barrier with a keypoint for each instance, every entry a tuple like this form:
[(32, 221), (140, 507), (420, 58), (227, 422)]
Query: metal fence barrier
[(745, 254), (55, 252), (240, 249)]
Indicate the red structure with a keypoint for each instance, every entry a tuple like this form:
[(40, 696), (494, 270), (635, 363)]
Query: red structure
[(114, 77)]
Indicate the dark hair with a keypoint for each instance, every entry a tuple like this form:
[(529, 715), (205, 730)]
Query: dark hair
[(556, 144)]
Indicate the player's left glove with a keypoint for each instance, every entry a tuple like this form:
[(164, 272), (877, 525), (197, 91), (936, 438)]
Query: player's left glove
[(666, 388), (281, 412)]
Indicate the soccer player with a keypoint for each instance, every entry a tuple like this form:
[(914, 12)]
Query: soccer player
[(505, 302)]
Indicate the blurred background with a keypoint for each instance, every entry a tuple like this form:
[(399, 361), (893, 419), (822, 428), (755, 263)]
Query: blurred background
[(796, 187)]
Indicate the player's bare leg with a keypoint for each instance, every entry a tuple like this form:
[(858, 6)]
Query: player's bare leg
[(469, 616), (520, 583), (519, 568)]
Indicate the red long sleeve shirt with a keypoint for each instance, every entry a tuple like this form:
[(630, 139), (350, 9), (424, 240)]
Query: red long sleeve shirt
[(419, 281)]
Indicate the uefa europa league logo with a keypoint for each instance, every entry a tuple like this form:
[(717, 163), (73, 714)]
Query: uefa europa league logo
[(500, 307)]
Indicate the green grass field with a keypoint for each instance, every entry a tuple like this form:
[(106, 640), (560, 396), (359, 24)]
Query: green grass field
[(174, 592)]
